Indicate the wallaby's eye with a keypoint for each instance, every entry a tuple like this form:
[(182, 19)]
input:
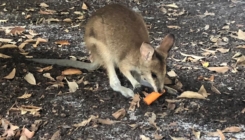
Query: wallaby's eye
[(153, 75)]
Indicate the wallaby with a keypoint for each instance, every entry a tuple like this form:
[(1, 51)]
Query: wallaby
[(118, 37)]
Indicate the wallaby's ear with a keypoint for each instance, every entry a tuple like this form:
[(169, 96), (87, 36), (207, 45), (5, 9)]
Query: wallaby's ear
[(166, 44), (146, 51)]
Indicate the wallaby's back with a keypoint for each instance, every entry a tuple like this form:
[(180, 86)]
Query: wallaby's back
[(120, 31)]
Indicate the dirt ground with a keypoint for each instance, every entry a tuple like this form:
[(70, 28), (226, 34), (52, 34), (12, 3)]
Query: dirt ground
[(193, 22)]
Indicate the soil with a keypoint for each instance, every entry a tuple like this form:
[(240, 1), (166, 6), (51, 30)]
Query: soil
[(62, 111)]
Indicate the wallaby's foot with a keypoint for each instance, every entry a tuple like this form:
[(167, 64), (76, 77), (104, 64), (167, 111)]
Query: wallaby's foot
[(126, 92)]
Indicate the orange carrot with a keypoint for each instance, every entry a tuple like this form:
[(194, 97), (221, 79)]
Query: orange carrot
[(152, 97)]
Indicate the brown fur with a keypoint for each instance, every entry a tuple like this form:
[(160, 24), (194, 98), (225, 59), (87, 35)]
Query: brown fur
[(117, 37)]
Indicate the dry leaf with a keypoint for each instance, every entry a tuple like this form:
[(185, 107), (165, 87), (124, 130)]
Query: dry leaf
[(197, 134), (193, 56), (43, 5), (62, 42), (143, 137), (5, 40), (8, 128), (232, 129), (44, 69), (134, 102), (222, 50), (67, 20), (157, 136), (209, 14), (120, 113), (24, 96), (73, 86), (27, 133), (177, 138), (152, 118), (22, 45), (171, 74), (215, 90), (48, 75), (39, 40), (221, 135), (4, 56), (241, 46), (240, 61), (134, 126), (11, 75), (203, 91), (29, 77), (205, 64), (8, 46), (71, 72), (173, 27), (173, 5), (84, 6), (219, 69), (56, 136), (34, 110), (47, 12), (191, 94), (241, 34), (172, 101), (243, 111), (85, 122), (107, 121), (17, 30)]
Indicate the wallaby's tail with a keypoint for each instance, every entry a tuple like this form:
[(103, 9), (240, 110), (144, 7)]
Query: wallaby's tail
[(67, 63)]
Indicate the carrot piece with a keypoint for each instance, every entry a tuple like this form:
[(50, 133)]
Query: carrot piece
[(152, 97)]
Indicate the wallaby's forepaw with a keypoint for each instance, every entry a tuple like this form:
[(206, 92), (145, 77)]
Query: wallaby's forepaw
[(127, 92), (137, 85)]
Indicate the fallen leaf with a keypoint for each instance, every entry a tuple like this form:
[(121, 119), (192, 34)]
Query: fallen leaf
[(4, 56), (177, 138), (240, 61), (17, 30), (24, 96), (194, 56), (221, 135), (27, 133), (84, 6), (171, 74), (39, 40), (215, 90), (157, 136), (119, 114), (5, 40), (241, 34), (133, 126), (8, 128), (173, 5), (203, 91), (191, 94), (56, 136), (11, 75), (243, 111), (205, 64), (43, 5), (173, 27), (172, 101), (8, 46), (73, 86), (143, 137), (241, 46), (85, 122), (48, 75), (44, 69), (222, 50), (34, 110), (67, 20), (62, 42), (71, 72), (29, 77), (232, 129), (209, 13), (152, 118), (134, 102), (197, 134), (219, 69), (107, 121), (206, 27)]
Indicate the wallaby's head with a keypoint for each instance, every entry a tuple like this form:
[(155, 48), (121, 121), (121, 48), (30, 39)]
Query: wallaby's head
[(153, 62)]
